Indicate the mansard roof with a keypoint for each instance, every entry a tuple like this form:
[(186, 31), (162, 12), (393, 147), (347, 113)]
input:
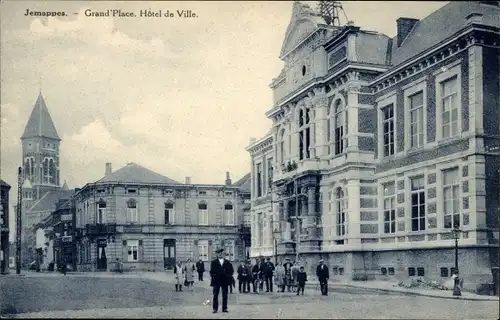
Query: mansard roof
[(440, 25), (243, 183), (134, 173), (40, 123)]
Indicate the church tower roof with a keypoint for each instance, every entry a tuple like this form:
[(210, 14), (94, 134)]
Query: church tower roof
[(40, 123)]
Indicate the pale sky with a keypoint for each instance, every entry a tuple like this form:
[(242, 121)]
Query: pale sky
[(179, 96)]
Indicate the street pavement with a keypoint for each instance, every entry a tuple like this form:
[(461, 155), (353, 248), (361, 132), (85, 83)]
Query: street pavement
[(136, 296)]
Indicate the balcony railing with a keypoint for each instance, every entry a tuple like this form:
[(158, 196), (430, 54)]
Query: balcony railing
[(100, 229)]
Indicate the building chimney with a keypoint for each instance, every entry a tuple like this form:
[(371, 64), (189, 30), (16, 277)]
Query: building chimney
[(252, 141), (228, 179), (405, 25), (108, 170), (188, 180)]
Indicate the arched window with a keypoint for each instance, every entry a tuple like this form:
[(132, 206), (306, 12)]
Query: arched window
[(52, 171), (228, 214), (101, 211), (304, 133), (45, 166), (29, 168), (339, 127), (132, 214), (202, 213), (282, 146), (341, 213), (169, 213)]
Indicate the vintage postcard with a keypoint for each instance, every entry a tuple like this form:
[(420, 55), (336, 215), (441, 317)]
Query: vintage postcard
[(250, 159)]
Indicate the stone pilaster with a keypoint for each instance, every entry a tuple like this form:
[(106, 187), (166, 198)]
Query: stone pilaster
[(321, 125), (352, 118), (353, 209)]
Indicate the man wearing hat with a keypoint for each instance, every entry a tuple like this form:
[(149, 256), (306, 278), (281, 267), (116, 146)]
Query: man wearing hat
[(221, 272), (323, 274)]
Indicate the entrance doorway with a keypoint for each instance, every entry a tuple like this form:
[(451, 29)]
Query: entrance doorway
[(102, 261), (168, 253)]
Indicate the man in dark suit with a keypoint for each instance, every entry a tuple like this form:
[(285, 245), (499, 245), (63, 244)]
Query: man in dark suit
[(221, 272), (200, 267), (268, 269), (323, 274)]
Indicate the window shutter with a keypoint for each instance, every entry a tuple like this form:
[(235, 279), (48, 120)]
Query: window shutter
[(124, 251), (140, 252), (195, 242)]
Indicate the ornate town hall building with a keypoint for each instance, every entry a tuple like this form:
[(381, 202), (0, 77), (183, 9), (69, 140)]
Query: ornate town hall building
[(381, 146)]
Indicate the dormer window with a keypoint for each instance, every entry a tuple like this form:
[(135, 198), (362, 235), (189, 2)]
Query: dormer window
[(131, 191)]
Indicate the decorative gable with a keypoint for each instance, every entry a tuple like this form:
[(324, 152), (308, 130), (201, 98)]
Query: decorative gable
[(303, 23)]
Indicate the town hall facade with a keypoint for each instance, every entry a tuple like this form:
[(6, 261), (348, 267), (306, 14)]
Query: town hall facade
[(381, 147)]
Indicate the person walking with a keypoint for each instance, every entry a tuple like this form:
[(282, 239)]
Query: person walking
[(323, 274), (200, 268), (288, 273), (249, 279), (268, 270), (279, 277), (189, 270), (255, 276), (301, 280), (242, 277), (221, 272), (179, 276)]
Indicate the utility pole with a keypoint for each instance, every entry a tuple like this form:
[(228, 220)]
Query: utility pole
[(297, 222), (18, 220)]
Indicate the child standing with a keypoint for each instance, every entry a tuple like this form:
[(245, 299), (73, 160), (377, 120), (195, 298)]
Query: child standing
[(301, 280)]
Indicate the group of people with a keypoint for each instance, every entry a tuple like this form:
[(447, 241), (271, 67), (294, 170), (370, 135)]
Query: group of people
[(286, 275)]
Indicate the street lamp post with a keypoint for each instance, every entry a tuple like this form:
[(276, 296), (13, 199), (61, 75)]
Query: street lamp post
[(456, 281)]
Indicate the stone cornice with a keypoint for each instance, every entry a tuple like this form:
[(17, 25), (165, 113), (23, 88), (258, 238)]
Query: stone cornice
[(264, 144), (318, 83)]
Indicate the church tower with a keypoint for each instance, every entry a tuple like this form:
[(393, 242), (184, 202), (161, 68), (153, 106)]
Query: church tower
[(40, 144)]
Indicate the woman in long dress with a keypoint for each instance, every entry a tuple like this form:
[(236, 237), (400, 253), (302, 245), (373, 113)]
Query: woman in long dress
[(189, 270), (279, 275), (179, 276)]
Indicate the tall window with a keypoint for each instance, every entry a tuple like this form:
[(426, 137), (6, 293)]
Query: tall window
[(269, 174), (202, 214), (304, 133), (29, 168), (169, 213), (203, 250), (451, 198), (341, 213), (228, 214), (417, 204), (229, 249), (339, 127), (388, 129), (282, 146), (389, 208), (132, 250), (132, 215), (449, 110), (259, 180), (260, 228), (101, 211), (417, 120)]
